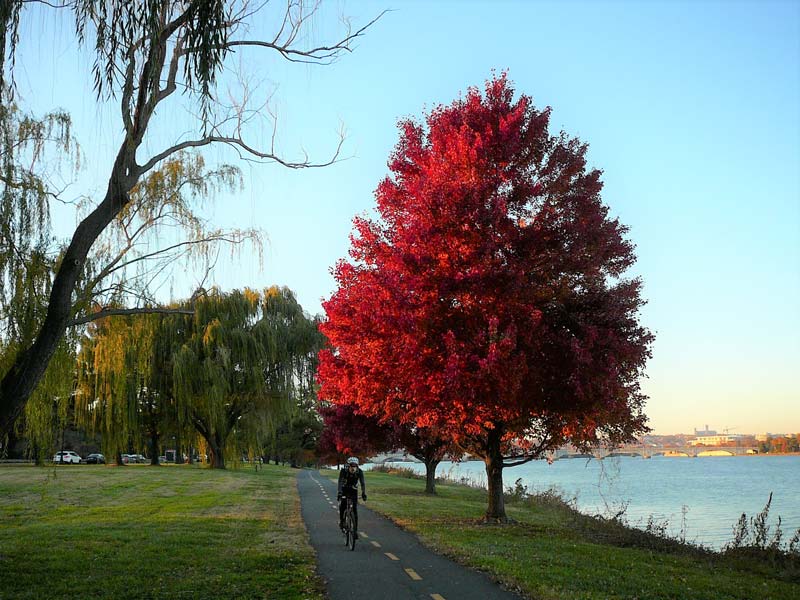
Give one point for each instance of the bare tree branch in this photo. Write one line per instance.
(320, 55)
(212, 238)
(237, 142)
(111, 312)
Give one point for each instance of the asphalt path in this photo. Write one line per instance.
(387, 563)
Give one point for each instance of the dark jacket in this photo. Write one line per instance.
(348, 481)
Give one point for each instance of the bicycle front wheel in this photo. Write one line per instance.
(351, 532)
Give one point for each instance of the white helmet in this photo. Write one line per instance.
(352, 461)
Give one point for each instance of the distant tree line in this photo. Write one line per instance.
(231, 377)
(780, 444)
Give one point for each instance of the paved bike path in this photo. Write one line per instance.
(388, 563)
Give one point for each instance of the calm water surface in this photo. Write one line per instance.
(715, 490)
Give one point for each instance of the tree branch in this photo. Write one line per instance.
(212, 238)
(111, 312)
(321, 55)
(173, 72)
(232, 141)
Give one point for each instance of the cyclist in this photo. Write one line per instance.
(349, 478)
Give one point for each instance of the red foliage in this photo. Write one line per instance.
(346, 433)
(488, 301)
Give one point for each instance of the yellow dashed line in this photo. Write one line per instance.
(437, 597)
(413, 574)
(391, 556)
(376, 544)
(362, 534)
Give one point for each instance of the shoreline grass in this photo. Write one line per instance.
(553, 552)
(153, 532)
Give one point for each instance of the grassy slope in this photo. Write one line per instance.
(163, 532)
(553, 553)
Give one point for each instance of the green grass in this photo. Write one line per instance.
(153, 532)
(552, 552)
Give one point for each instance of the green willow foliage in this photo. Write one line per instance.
(164, 206)
(118, 28)
(232, 371)
(25, 211)
(248, 362)
(118, 269)
(28, 259)
(143, 53)
(115, 372)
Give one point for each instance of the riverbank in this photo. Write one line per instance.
(700, 499)
(553, 552)
(153, 532)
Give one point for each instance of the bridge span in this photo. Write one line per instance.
(650, 451)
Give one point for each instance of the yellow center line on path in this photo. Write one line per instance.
(437, 597)
(362, 534)
(391, 556)
(413, 574)
(376, 544)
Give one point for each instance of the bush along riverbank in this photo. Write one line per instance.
(552, 551)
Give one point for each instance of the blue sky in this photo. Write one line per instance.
(691, 109)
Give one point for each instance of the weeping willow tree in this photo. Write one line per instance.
(247, 362)
(116, 279)
(28, 261)
(121, 391)
(144, 52)
(48, 410)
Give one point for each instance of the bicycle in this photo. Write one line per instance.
(349, 525)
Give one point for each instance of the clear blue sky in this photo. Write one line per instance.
(691, 109)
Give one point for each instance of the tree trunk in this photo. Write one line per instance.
(216, 452)
(154, 448)
(430, 475)
(178, 454)
(30, 364)
(496, 511)
(217, 458)
(38, 456)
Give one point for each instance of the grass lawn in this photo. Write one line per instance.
(552, 552)
(153, 532)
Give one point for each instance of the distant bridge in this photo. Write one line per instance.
(650, 451)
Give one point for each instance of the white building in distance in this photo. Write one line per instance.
(715, 440)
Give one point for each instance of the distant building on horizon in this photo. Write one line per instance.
(704, 432)
(715, 440)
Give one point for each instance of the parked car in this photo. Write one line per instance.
(67, 456)
(132, 459)
(95, 459)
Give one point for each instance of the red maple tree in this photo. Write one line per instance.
(489, 300)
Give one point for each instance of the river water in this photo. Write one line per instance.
(715, 491)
